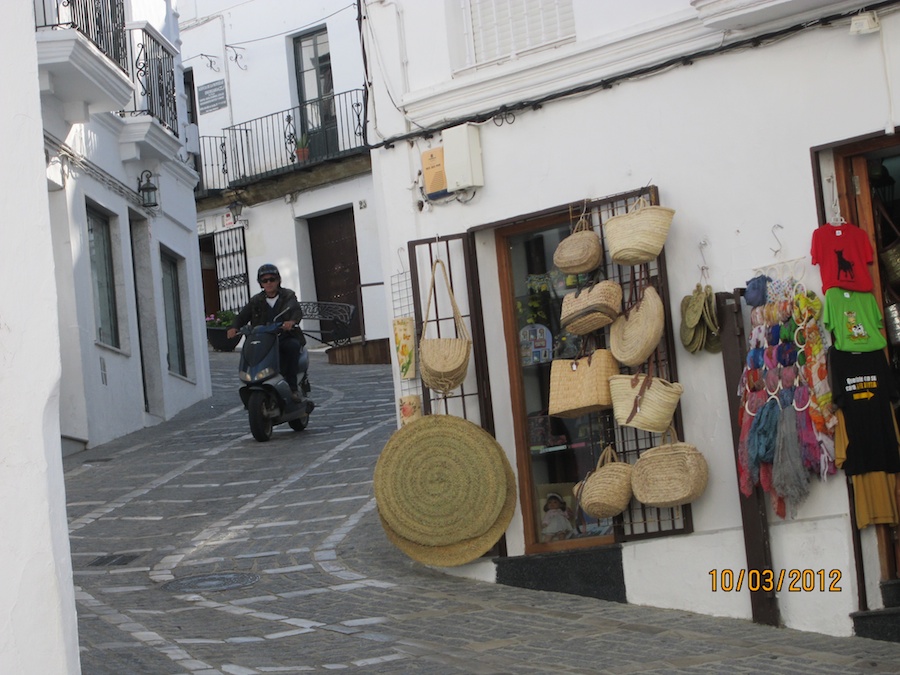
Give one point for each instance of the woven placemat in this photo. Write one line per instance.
(467, 550)
(440, 480)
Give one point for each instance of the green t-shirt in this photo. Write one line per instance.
(855, 320)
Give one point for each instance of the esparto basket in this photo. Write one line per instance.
(672, 474)
(643, 401)
(581, 386)
(581, 251)
(606, 492)
(636, 333)
(444, 362)
(638, 236)
(592, 308)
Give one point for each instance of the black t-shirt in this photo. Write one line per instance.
(863, 387)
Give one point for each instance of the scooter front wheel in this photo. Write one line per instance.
(260, 422)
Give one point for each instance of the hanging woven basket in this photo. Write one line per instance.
(643, 401)
(581, 386)
(638, 236)
(636, 333)
(672, 474)
(592, 308)
(580, 251)
(607, 491)
(444, 362)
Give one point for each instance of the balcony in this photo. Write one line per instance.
(82, 54)
(152, 65)
(297, 138)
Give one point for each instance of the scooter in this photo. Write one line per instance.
(265, 394)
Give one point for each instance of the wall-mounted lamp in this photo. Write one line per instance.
(235, 208)
(148, 190)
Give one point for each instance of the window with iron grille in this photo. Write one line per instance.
(499, 30)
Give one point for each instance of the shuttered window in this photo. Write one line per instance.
(504, 29)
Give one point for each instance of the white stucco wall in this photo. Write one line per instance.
(38, 628)
(101, 390)
(727, 140)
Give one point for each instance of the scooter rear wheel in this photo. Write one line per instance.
(260, 423)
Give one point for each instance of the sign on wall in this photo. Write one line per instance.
(211, 97)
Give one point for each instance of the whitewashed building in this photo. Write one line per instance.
(278, 98)
(120, 184)
(757, 122)
(101, 310)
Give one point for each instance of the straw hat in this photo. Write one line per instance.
(464, 551)
(441, 480)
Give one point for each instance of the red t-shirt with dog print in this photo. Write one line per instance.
(843, 254)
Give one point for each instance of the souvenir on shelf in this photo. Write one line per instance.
(535, 344)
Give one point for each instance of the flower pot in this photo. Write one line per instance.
(218, 338)
(302, 154)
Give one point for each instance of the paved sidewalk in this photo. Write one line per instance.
(198, 497)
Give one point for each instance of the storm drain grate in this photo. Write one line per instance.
(222, 581)
(115, 559)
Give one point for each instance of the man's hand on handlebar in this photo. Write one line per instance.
(231, 333)
(288, 325)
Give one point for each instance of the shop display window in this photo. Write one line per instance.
(555, 453)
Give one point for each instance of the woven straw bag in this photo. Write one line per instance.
(605, 492)
(638, 236)
(671, 474)
(581, 386)
(589, 309)
(643, 401)
(636, 333)
(444, 362)
(580, 251)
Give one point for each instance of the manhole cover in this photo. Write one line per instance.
(212, 582)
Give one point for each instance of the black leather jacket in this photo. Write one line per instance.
(257, 311)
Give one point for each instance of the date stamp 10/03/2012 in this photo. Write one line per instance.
(793, 581)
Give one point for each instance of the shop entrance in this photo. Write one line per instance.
(866, 173)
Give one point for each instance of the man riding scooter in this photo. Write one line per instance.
(265, 307)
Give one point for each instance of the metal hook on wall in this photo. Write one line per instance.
(776, 251)
(704, 268)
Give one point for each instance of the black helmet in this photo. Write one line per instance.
(266, 269)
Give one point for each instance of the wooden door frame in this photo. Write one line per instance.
(533, 542)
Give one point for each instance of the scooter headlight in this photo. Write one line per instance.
(244, 375)
(264, 373)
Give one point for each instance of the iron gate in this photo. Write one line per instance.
(231, 269)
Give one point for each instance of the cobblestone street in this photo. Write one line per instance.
(305, 580)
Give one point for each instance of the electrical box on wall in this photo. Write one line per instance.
(433, 173)
(462, 157)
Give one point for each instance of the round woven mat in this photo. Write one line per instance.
(440, 480)
(465, 551)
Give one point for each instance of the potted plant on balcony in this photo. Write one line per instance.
(217, 326)
(302, 148)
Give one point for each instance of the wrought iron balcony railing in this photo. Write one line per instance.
(100, 21)
(320, 129)
(213, 167)
(152, 68)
